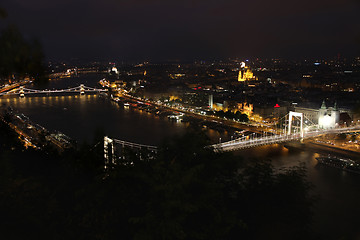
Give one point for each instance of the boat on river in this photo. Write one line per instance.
(339, 163)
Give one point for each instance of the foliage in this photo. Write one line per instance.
(242, 117)
(3, 13)
(186, 192)
(19, 57)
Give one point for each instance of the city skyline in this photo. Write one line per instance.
(188, 30)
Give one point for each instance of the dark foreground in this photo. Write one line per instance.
(186, 192)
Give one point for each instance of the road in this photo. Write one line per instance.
(230, 123)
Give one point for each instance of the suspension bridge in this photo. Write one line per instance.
(81, 89)
(295, 126)
(115, 150)
(252, 141)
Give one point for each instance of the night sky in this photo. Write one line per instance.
(188, 29)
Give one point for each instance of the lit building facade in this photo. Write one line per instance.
(328, 118)
(246, 108)
(234, 107)
(325, 117)
(245, 74)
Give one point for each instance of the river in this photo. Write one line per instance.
(81, 116)
(337, 211)
(336, 214)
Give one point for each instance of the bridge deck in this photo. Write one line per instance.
(238, 144)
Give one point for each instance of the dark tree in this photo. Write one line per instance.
(187, 192)
(3, 13)
(20, 58)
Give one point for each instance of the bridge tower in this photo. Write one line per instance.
(296, 114)
(21, 92)
(82, 89)
(109, 153)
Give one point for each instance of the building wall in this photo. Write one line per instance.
(324, 117)
(309, 113)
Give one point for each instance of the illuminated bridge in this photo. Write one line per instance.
(115, 151)
(295, 128)
(252, 141)
(22, 91)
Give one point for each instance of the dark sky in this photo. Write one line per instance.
(189, 29)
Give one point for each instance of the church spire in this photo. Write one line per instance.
(335, 106)
(323, 105)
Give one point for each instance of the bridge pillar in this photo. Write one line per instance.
(21, 92)
(296, 114)
(109, 153)
(82, 89)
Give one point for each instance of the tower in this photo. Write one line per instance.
(241, 77)
(322, 114)
(22, 94)
(296, 114)
(335, 114)
(211, 101)
(109, 153)
(82, 89)
(328, 117)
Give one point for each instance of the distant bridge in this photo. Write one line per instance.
(114, 150)
(81, 89)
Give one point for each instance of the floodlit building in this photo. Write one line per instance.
(324, 117)
(245, 74)
(328, 117)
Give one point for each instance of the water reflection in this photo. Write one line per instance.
(336, 213)
(79, 116)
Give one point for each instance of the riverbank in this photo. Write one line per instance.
(311, 144)
(32, 134)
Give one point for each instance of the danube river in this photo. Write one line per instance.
(81, 116)
(336, 214)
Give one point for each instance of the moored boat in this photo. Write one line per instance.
(340, 163)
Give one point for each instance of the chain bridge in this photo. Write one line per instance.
(22, 91)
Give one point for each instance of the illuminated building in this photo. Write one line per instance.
(328, 118)
(174, 97)
(176, 75)
(219, 107)
(324, 117)
(245, 74)
(245, 108)
(113, 70)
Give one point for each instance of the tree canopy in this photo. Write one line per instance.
(20, 57)
(3, 13)
(186, 192)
